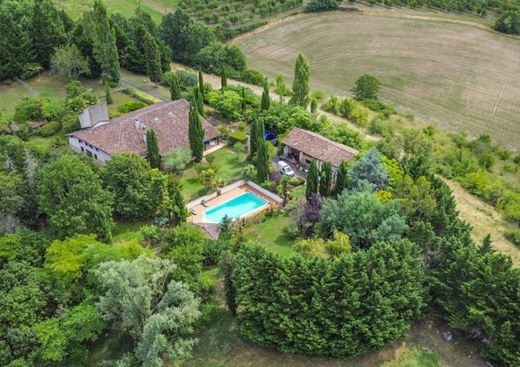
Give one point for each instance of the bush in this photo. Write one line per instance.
(514, 236)
(141, 96)
(30, 70)
(253, 77)
(187, 79)
(227, 102)
(130, 106)
(49, 129)
(237, 137)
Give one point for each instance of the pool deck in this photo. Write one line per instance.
(200, 209)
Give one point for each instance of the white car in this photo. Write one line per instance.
(285, 169)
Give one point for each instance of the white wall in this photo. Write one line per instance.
(79, 146)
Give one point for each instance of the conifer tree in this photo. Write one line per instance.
(486, 245)
(312, 180)
(152, 145)
(108, 95)
(325, 179)
(199, 101)
(201, 84)
(342, 178)
(175, 88)
(196, 135)
(243, 104)
(178, 212)
(301, 84)
(223, 78)
(266, 101)
(47, 31)
(103, 40)
(153, 58)
(314, 105)
(262, 160)
(257, 131)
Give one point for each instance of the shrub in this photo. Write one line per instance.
(237, 137)
(141, 96)
(253, 77)
(227, 102)
(29, 70)
(130, 106)
(514, 236)
(187, 79)
(49, 129)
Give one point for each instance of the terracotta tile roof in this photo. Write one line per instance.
(319, 147)
(126, 133)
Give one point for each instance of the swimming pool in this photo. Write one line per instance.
(235, 208)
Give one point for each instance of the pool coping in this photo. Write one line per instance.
(249, 213)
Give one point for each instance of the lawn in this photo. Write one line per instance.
(228, 165)
(271, 233)
(453, 74)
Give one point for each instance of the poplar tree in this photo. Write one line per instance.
(312, 180)
(342, 178)
(301, 82)
(103, 40)
(153, 58)
(325, 179)
(152, 145)
(266, 102)
(175, 88)
(196, 135)
(201, 84)
(262, 160)
(223, 79)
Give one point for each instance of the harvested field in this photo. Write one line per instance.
(454, 75)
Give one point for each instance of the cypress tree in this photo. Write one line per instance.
(153, 58)
(243, 101)
(103, 40)
(314, 105)
(301, 82)
(342, 178)
(199, 101)
(311, 186)
(257, 132)
(47, 31)
(223, 79)
(196, 135)
(325, 179)
(175, 88)
(178, 213)
(201, 84)
(262, 160)
(152, 144)
(266, 102)
(108, 95)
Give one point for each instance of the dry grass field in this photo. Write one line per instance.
(452, 74)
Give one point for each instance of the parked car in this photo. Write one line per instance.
(284, 168)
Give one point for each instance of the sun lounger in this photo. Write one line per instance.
(204, 202)
(193, 211)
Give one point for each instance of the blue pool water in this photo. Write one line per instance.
(235, 208)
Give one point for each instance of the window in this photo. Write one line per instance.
(82, 149)
(89, 153)
(95, 156)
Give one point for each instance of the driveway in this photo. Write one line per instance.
(297, 172)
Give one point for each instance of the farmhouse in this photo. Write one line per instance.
(301, 147)
(101, 137)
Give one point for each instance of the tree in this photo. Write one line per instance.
(47, 31)
(367, 87)
(196, 135)
(175, 88)
(201, 84)
(127, 177)
(301, 84)
(153, 58)
(370, 169)
(325, 184)
(284, 189)
(223, 78)
(103, 41)
(71, 196)
(152, 146)
(156, 310)
(16, 49)
(256, 133)
(343, 179)
(508, 20)
(177, 159)
(199, 101)
(314, 105)
(321, 5)
(108, 95)
(364, 218)
(264, 105)
(238, 148)
(311, 186)
(227, 265)
(262, 160)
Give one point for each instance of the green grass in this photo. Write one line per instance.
(414, 357)
(156, 8)
(270, 233)
(229, 168)
(452, 74)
